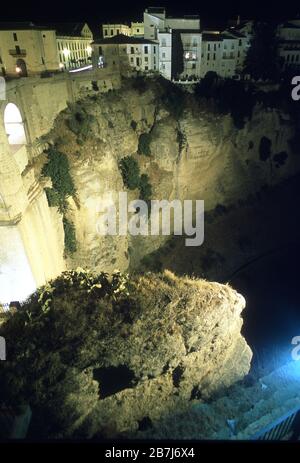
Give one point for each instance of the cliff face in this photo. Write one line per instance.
(184, 345)
(201, 155)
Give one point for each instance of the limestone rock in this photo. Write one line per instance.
(184, 344)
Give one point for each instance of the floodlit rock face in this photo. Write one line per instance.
(184, 345)
(200, 155)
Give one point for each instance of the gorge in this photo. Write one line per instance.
(152, 140)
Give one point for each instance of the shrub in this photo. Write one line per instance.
(70, 237)
(130, 172)
(144, 144)
(52, 197)
(58, 169)
(145, 188)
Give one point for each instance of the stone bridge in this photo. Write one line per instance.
(31, 235)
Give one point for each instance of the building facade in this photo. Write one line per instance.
(156, 20)
(73, 45)
(129, 53)
(26, 49)
(137, 29)
(111, 30)
(289, 44)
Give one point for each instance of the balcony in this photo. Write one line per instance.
(18, 54)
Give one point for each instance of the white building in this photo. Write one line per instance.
(127, 53)
(111, 30)
(192, 51)
(137, 29)
(179, 39)
(289, 44)
(155, 19)
(211, 53)
(223, 53)
(73, 44)
(164, 39)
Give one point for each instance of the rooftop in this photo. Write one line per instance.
(123, 39)
(22, 26)
(68, 29)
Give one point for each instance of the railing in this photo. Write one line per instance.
(280, 428)
(15, 53)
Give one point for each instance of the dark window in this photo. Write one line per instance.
(15, 37)
(118, 31)
(105, 31)
(146, 50)
(132, 50)
(100, 50)
(18, 51)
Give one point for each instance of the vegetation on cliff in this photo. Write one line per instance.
(57, 169)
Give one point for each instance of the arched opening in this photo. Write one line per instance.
(14, 128)
(22, 68)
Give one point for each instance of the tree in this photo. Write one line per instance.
(262, 60)
(177, 55)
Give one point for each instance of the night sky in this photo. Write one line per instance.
(97, 11)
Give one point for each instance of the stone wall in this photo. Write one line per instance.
(32, 233)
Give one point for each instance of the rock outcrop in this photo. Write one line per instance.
(200, 155)
(183, 346)
(243, 413)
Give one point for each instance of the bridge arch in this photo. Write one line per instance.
(16, 135)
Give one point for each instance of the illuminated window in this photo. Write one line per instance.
(190, 56)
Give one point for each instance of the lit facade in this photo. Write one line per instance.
(27, 50)
(137, 29)
(126, 52)
(289, 44)
(74, 45)
(111, 30)
(192, 47)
